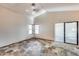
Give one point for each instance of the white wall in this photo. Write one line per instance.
(13, 27)
(47, 22)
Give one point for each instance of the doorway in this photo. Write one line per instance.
(67, 32)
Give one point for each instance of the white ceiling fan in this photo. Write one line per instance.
(36, 10)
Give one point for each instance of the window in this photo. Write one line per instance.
(30, 29)
(36, 29)
(33, 28)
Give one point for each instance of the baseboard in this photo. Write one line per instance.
(32, 38)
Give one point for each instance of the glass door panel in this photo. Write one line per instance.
(71, 32)
(59, 32)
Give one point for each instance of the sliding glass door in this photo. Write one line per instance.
(59, 32)
(71, 32)
(67, 32)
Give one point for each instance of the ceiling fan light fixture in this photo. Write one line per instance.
(33, 4)
(33, 7)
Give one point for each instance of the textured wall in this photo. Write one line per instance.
(48, 20)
